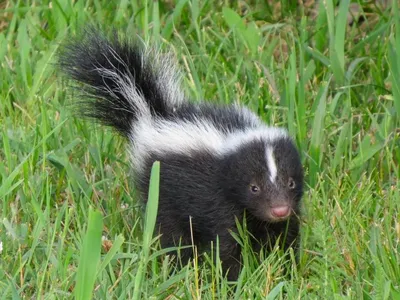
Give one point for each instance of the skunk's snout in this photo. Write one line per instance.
(281, 212)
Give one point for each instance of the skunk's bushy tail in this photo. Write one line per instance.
(122, 79)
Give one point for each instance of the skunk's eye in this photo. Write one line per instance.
(254, 189)
(291, 183)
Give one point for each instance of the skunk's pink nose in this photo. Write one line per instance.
(280, 211)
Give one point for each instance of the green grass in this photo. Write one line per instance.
(335, 86)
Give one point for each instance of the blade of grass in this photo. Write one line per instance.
(90, 257)
(291, 105)
(367, 149)
(394, 59)
(24, 48)
(149, 224)
(317, 134)
(340, 31)
(277, 290)
(169, 26)
(156, 21)
(111, 253)
(301, 96)
(337, 29)
(5, 187)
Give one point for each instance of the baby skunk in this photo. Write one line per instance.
(217, 162)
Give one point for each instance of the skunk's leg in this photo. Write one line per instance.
(230, 255)
(174, 236)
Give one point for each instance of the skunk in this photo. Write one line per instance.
(218, 163)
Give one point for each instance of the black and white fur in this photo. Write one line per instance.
(217, 162)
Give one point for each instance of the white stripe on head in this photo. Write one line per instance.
(273, 171)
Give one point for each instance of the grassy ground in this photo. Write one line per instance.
(331, 77)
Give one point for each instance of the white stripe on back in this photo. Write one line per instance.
(159, 136)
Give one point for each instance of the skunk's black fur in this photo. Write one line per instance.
(217, 162)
